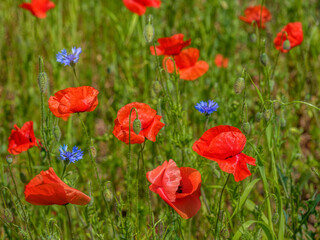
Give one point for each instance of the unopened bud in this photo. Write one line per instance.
(253, 37)
(259, 116)
(149, 31)
(264, 59)
(7, 214)
(246, 128)
(108, 192)
(267, 114)
(23, 177)
(286, 45)
(239, 85)
(57, 133)
(136, 126)
(43, 81)
(156, 87)
(93, 151)
(9, 159)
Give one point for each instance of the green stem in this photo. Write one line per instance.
(24, 213)
(64, 169)
(69, 222)
(218, 214)
(75, 74)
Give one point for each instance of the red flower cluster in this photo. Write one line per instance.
(140, 6)
(150, 123)
(255, 15)
(21, 139)
(170, 45)
(178, 187)
(73, 100)
(224, 145)
(187, 64)
(47, 189)
(221, 61)
(38, 7)
(293, 32)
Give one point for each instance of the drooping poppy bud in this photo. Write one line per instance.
(286, 45)
(9, 159)
(259, 116)
(267, 114)
(136, 126)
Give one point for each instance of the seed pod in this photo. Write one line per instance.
(239, 85)
(23, 178)
(267, 114)
(286, 45)
(43, 81)
(264, 59)
(9, 159)
(259, 116)
(136, 126)
(57, 133)
(246, 128)
(253, 37)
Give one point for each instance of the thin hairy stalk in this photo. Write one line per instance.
(69, 222)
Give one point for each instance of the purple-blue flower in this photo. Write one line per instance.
(207, 107)
(69, 59)
(73, 156)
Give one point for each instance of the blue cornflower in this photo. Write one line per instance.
(207, 107)
(73, 156)
(69, 59)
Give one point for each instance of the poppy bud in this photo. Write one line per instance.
(8, 216)
(93, 151)
(108, 192)
(286, 45)
(57, 133)
(149, 31)
(136, 126)
(253, 37)
(264, 59)
(23, 178)
(9, 159)
(156, 87)
(239, 85)
(259, 116)
(43, 81)
(267, 114)
(246, 128)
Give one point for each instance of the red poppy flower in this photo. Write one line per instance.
(73, 100)
(21, 139)
(178, 187)
(187, 64)
(253, 14)
(140, 6)
(150, 123)
(47, 189)
(170, 45)
(38, 7)
(293, 32)
(224, 144)
(220, 61)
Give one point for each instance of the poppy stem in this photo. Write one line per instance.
(22, 207)
(69, 221)
(75, 74)
(224, 186)
(64, 169)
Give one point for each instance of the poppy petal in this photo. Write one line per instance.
(194, 72)
(152, 130)
(122, 134)
(190, 181)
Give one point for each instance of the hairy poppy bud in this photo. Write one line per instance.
(43, 81)
(264, 59)
(9, 159)
(156, 87)
(93, 151)
(57, 133)
(136, 126)
(286, 45)
(8, 216)
(23, 178)
(253, 37)
(149, 31)
(246, 128)
(239, 85)
(259, 116)
(267, 114)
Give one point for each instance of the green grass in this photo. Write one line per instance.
(279, 201)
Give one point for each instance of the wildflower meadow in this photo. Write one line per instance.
(157, 119)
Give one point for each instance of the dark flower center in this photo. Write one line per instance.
(179, 189)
